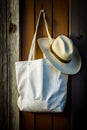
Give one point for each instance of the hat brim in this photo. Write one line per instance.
(68, 68)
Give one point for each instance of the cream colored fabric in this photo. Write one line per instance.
(41, 87)
(62, 53)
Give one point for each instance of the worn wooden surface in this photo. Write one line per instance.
(9, 53)
(57, 16)
(3, 68)
(13, 55)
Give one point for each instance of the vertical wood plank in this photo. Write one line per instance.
(13, 55)
(26, 121)
(27, 17)
(60, 26)
(3, 68)
(38, 6)
(70, 21)
(43, 4)
(79, 81)
(61, 122)
(60, 17)
(48, 12)
(75, 17)
(43, 120)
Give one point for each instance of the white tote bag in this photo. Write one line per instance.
(41, 87)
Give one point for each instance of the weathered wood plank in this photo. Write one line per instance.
(3, 68)
(13, 55)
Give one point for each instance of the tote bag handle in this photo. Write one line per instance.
(35, 34)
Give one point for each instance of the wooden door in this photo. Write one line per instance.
(57, 18)
(79, 81)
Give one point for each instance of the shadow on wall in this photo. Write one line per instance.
(79, 86)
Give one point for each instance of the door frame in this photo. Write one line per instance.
(9, 53)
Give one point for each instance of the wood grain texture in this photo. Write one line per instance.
(13, 56)
(3, 69)
(27, 17)
(43, 121)
(9, 53)
(27, 121)
(60, 17)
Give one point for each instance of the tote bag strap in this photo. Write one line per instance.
(35, 34)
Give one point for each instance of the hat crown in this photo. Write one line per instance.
(63, 48)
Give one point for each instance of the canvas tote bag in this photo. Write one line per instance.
(41, 87)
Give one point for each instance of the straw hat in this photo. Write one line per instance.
(61, 53)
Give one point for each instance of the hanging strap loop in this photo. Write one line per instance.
(35, 34)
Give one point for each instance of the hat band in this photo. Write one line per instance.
(59, 58)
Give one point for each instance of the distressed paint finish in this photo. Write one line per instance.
(9, 53)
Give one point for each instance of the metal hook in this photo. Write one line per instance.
(42, 10)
